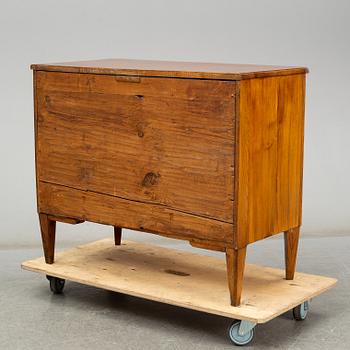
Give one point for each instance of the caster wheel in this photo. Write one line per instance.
(56, 284)
(237, 338)
(300, 312)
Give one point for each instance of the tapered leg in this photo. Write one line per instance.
(48, 233)
(291, 240)
(235, 261)
(117, 235)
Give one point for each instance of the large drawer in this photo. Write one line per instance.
(166, 142)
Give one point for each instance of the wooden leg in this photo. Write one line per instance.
(117, 235)
(235, 261)
(48, 233)
(291, 240)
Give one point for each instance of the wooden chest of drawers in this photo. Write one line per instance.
(209, 153)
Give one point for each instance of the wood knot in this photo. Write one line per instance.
(47, 100)
(150, 179)
(140, 127)
(177, 273)
(85, 174)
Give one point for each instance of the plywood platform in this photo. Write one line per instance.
(180, 278)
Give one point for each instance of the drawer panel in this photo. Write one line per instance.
(105, 209)
(163, 141)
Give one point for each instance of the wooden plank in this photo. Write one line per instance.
(269, 171)
(126, 140)
(184, 279)
(35, 103)
(65, 220)
(197, 70)
(118, 85)
(63, 201)
(257, 159)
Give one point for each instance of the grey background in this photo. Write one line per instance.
(307, 33)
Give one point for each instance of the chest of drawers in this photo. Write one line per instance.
(208, 153)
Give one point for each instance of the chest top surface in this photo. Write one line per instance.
(172, 69)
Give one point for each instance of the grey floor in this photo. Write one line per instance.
(89, 318)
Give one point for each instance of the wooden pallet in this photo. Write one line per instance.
(181, 278)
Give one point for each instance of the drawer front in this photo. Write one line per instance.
(167, 142)
(91, 206)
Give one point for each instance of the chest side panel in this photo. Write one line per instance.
(270, 156)
(167, 142)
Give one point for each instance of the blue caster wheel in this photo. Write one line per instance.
(56, 284)
(300, 312)
(236, 337)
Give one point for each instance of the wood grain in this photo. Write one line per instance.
(191, 89)
(65, 220)
(48, 234)
(110, 210)
(209, 245)
(269, 157)
(35, 99)
(171, 144)
(142, 270)
(193, 70)
(291, 240)
(235, 263)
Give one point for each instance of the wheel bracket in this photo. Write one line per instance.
(245, 327)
